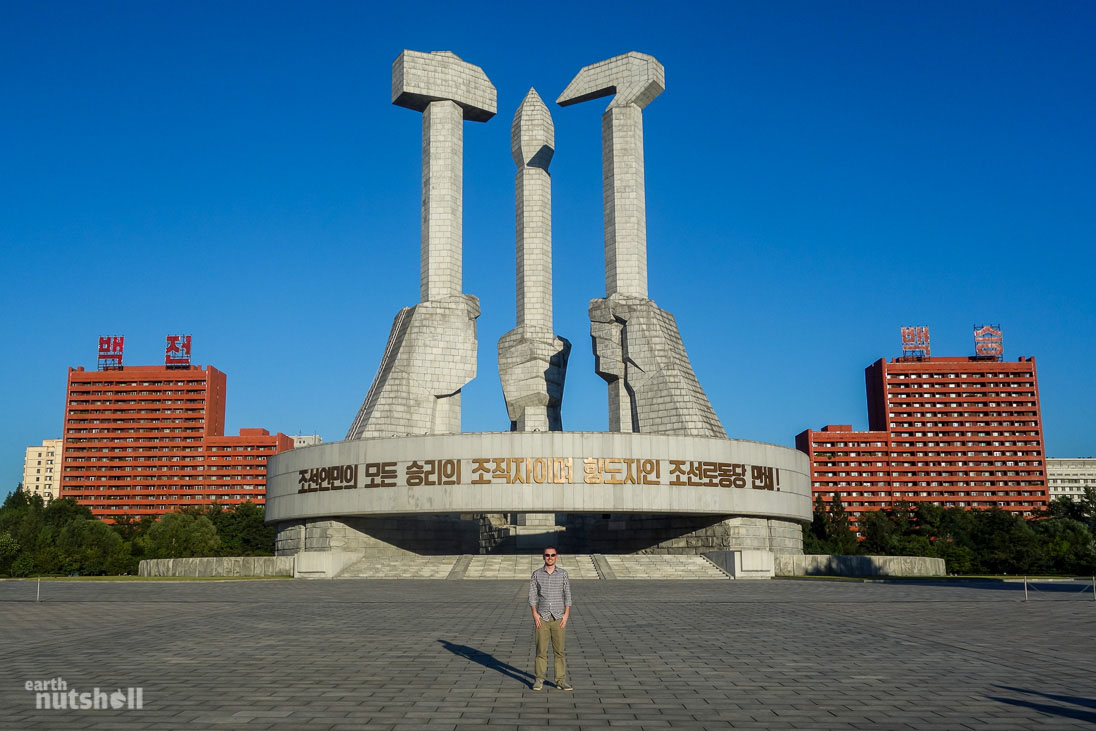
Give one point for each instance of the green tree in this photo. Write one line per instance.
(21, 517)
(181, 535)
(128, 527)
(839, 531)
(47, 558)
(903, 516)
(241, 528)
(959, 559)
(91, 548)
(959, 525)
(248, 533)
(1060, 539)
(879, 531)
(1066, 546)
(1003, 542)
(9, 551)
(928, 519)
(64, 537)
(814, 535)
(914, 546)
(63, 511)
(1063, 508)
(23, 566)
(1088, 507)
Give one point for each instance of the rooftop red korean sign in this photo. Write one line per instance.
(915, 340)
(988, 340)
(110, 351)
(177, 352)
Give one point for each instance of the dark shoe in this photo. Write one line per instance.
(562, 685)
(539, 685)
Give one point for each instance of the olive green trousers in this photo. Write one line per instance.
(549, 628)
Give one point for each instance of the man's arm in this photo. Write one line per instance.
(566, 601)
(533, 599)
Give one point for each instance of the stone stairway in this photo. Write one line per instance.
(506, 567)
(663, 567)
(400, 567)
(520, 567)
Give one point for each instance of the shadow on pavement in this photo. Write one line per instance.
(1075, 713)
(1086, 702)
(488, 661)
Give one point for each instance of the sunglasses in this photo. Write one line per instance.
(549, 555)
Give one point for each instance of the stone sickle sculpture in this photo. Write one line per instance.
(637, 347)
(431, 352)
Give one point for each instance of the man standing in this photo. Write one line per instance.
(550, 600)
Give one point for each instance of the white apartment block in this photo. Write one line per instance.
(306, 440)
(42, 470)
(1068, 477)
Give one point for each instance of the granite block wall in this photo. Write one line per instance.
(403, 534)
(823, 565)
(218, 566)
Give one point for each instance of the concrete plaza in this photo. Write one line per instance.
(436, 654)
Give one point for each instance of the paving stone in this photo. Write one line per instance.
(384, 654)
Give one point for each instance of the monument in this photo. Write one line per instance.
(652, 387)
(663, 479)
(431, 352)
(532, 359)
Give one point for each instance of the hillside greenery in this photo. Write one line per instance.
(1058, 540)
(64, 538)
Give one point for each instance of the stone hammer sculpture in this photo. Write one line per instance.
(637, 347)
(635, 79)
(431, 352)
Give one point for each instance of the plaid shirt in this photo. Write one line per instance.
(550, 593)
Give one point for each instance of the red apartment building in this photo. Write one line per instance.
(956, 431)
(147, 440)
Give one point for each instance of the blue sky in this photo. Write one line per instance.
(818, 175)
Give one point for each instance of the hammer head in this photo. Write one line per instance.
(420, 78)
(635, 78)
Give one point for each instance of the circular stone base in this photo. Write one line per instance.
(606, 493)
